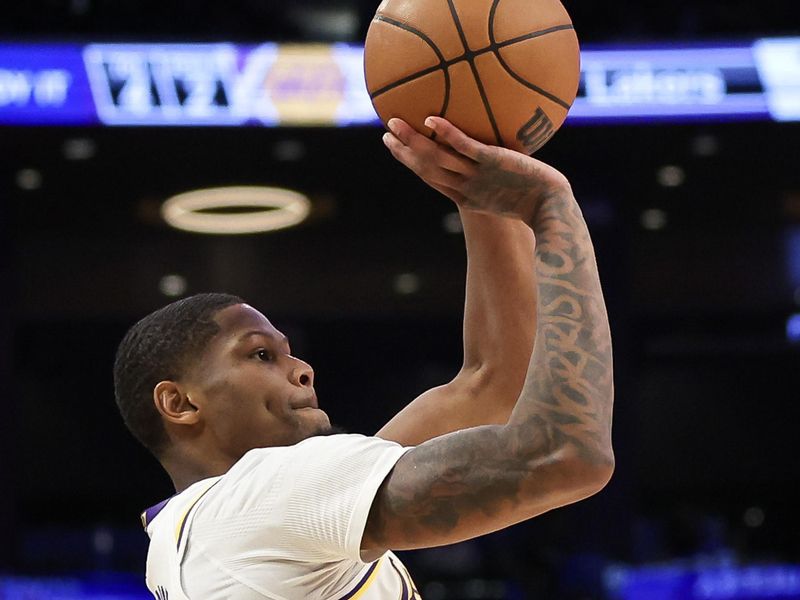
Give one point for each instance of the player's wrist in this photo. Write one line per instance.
(558, 193)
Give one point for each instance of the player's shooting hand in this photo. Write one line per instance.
(474, 175)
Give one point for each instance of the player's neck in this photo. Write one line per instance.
(186, 470)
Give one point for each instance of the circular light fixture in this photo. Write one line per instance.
(236, 210)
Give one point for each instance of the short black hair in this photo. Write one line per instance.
(161, 347)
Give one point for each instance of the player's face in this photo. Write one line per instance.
(250, 390)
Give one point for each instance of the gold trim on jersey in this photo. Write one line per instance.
(364, 585)
(182, 521)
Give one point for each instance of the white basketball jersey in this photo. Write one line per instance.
(284, 523)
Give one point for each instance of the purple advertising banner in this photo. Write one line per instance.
(44, 85)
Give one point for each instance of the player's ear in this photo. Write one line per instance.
(174, 404)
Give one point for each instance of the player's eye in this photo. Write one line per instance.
(263, 355)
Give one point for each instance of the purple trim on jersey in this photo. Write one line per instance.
(402, 579)
(361, 583)
(152, 512)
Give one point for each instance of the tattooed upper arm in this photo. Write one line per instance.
(473, 482)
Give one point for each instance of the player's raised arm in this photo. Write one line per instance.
(499, 328)
(556, 447)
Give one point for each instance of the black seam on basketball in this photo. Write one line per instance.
(486, 104)
(494, 44)
(532, 35)
(531, 86)
(404, 80)
(419, 74)
(497, 45)
(457, 21)
(417, 32)
(470, 58)
(446, 102)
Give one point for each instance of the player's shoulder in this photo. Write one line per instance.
(264, 477)
(343, 441)
(318, 452)
(322, 446)
(269, 465)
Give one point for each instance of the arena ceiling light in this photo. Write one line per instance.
(236, 210)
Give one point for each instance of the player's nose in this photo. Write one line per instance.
(302, 374)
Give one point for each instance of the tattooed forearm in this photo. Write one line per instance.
(570, 378)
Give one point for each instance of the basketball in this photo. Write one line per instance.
(505, 72)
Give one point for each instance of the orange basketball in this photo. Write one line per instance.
(505, 72)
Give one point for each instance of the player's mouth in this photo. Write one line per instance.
(309, 402)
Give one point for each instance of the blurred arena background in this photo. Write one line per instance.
(697, 225)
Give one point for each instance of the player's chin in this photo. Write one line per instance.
(314, 421)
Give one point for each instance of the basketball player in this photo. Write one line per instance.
(270, 504)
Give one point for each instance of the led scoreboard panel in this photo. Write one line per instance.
(323, 85)
(183, 84)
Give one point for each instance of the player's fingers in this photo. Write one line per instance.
(459, 141)
(432, 151)
(399, 150)
(448, 159)
(410, 136)
(419, 163)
